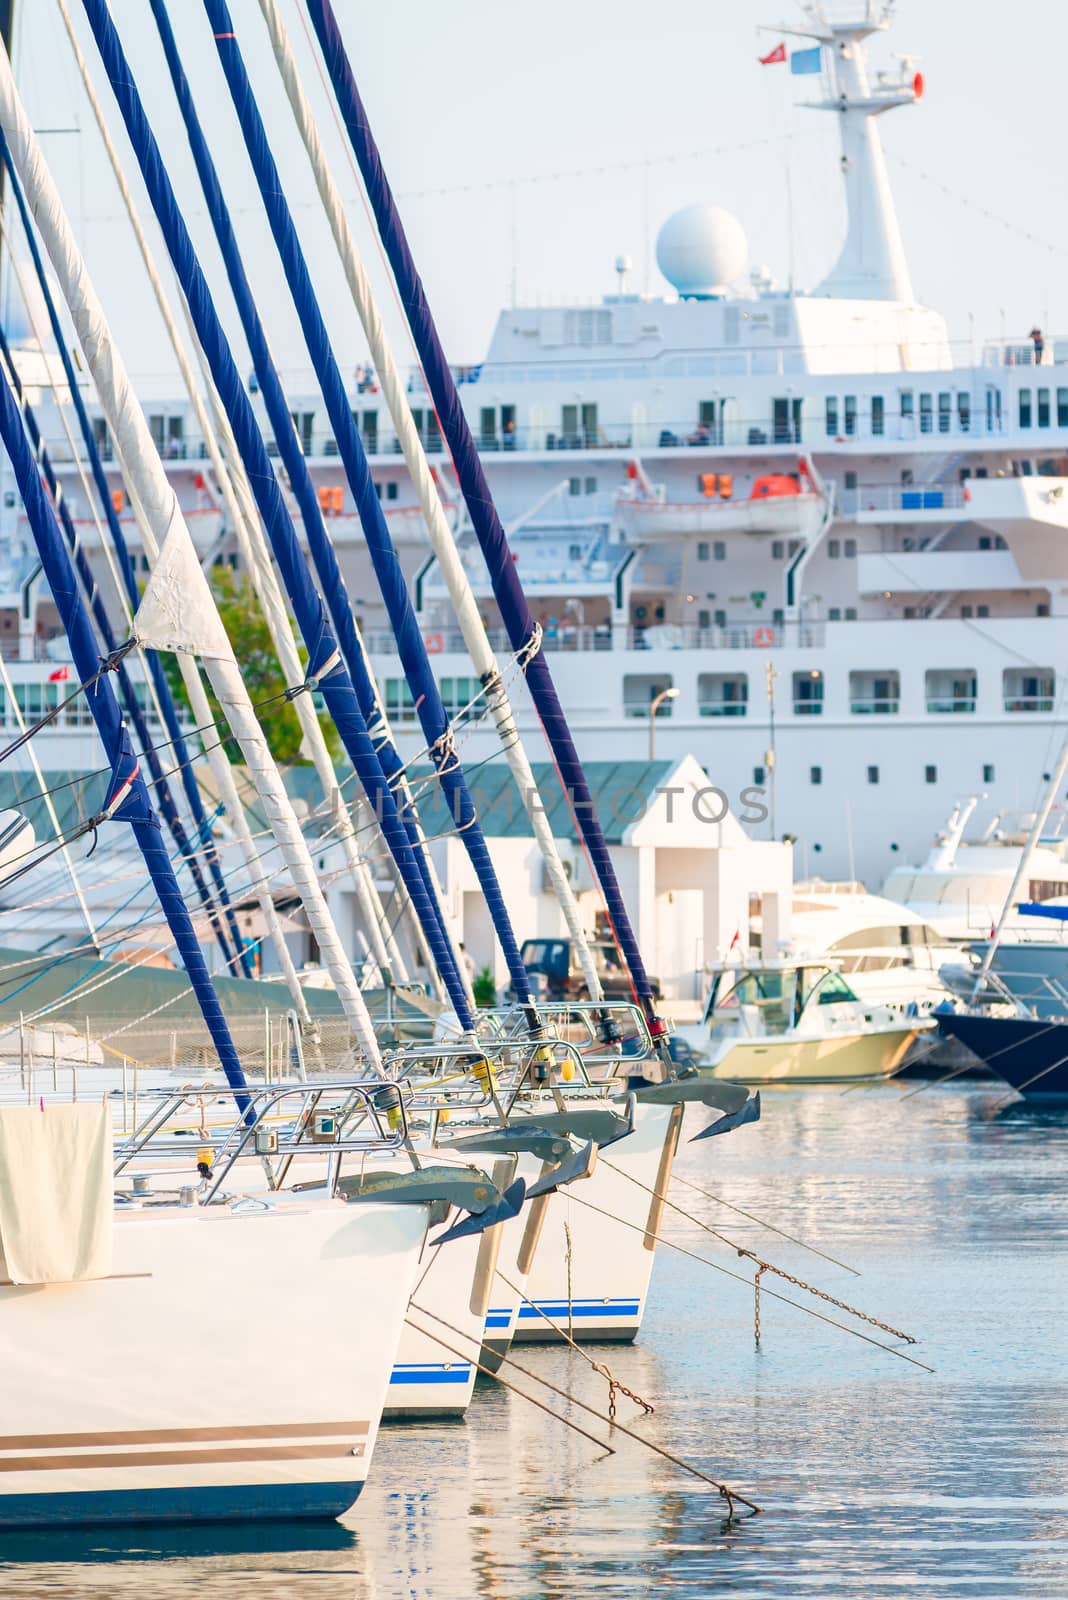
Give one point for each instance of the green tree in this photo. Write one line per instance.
(247, 630)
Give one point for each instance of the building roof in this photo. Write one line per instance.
(622, 791)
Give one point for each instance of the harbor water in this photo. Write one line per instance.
(877, 1478)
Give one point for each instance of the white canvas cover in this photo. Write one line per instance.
(57, 1201)
(177, 610)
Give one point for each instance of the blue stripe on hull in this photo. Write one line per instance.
(243, 1502)
(430, 1375)
(581, 1308)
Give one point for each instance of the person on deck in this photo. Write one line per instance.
(1039, 343)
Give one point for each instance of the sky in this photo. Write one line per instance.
(531, 146)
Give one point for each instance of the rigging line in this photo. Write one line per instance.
(974, 205)
(810, 1311)
(110, 664)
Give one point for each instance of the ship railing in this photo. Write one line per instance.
(895, 497)
(667, 636)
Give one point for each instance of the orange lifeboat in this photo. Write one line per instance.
(774, 484)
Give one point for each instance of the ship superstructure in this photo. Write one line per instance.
(841, 546)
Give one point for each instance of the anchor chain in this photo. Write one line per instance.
(614, 1387)
(821, 1294)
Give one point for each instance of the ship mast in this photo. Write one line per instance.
(872, 264)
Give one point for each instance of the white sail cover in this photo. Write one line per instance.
(177, 611)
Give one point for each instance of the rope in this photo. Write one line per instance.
(808, 1310)
(729, 1495)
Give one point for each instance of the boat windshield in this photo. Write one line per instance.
(765, 998)
(823, 987)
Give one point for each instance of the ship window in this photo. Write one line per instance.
(1041, 609)
(400, 705)
(874, 693)
(982, 611)
(877, 415)
(487, 427)
(926, 419)
(1042, 396)
(808, 693)
(793, 546)
(722, 694)
(873, 774)
(304, 424)
(758, 776)
(834, 614)
(850, 409)
(719, 551)
(908, 404)
(1062, 408)
(851, 613)
(930, 774)
(640, 690)
(945, 404)
(378, 490)
(815, 775)
(1024, 401)
(834, 548)
(778, 549)
(457, 694)
(1028, 688)
(391, 489)
(850, 480)
(590, 486)
(702, 551)
(704, 619)
(850, 548)
(985, 542)
(574, 486)
(988, 772)
(951, 690)
(720, 618)
(964, 412)
(368, 423)
(832, 415)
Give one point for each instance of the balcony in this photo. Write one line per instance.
(722, 694)
(874, 694)
(897, 503)
(1028, 690)
(951, 692)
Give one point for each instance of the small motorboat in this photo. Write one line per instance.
(1030, 1053)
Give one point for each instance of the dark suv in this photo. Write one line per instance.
(555, 961)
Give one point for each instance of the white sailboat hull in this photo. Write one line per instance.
(591, 1271)
(227, 1369)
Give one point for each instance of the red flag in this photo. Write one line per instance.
(61, 675)
(777, 55)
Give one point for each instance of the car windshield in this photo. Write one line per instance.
(545, 955)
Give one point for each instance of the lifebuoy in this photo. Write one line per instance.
(435, 644)
(764, 637)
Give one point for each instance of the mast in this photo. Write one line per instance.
(523, 632)
(442, 542)
(242, 513)
(872, 264)
(177, 611)
(327, 670)
(430, 709)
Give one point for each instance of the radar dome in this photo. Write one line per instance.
(700, 250)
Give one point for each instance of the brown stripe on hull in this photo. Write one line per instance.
(259, 1430)
(178, 1458)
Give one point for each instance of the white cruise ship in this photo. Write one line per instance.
(841, 549)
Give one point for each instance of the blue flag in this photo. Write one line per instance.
(804, 61)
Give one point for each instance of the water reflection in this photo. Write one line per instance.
(878, 1479)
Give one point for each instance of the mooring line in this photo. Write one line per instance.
(436, 1337)
(808, 1310)
(725, 1493)
(677, 1177)
(765, 1266)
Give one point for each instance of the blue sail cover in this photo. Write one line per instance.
(413, 654)
(326, 666)
(507, 588)
(155, 666)
(127, 796)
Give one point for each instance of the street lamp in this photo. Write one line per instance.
(657, 702)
